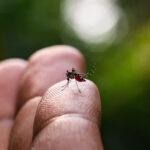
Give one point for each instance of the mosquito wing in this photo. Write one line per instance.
(83, 75)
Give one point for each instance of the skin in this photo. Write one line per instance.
(37, 113)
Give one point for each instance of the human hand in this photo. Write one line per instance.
(59, 120)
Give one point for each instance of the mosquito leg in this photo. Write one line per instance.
(66, 85)
(77, 86)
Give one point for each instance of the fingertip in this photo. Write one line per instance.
(11, 71)
(15, 62)
(68, 119)
(58, 102)
(58, 50)
(68, 55)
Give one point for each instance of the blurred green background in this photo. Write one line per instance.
(113, 34)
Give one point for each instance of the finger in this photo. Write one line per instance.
(10, 74)
(68, 119)
(45, 68)
(21, 135)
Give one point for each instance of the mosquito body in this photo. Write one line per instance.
(75, 75)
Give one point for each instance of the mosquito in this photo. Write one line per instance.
(80, 77)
